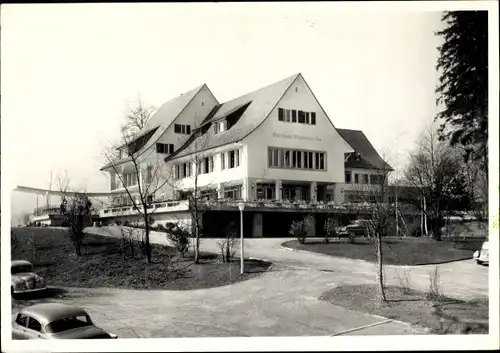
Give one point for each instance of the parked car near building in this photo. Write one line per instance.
(482, 256)
(24, 279)
(358, 227)
(55, 321)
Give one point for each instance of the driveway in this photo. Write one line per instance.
(460, 279)
(281, 302)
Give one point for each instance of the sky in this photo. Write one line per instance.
(69, 70)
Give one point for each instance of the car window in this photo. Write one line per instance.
(21, 269)
(21, 320)
(34, 325)
(68, 324)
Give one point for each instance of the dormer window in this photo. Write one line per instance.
(220, 126)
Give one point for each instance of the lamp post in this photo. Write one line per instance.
(241, 206)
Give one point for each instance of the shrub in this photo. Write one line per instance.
(434, 292)
(228, 244)
(14, 242)
(179, 237)
(126, 223)
(330, 229)
(300, 229)
(404, 280)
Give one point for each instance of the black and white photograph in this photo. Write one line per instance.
(282, 176)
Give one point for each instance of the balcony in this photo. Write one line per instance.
(257, 206)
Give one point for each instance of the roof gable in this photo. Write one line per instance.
(369, 157)
(260, 104)
(161, 120)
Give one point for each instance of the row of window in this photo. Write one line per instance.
(229, 160)
(182, 129)
(296, 116)
(296, 159)
(167, 148)
(363, 178)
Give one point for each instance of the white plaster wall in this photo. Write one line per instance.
(218, 175)
(319, 137)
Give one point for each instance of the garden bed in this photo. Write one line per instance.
(409, 251)
(441, 316)
(102, 264)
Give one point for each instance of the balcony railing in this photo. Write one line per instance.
(262, 205)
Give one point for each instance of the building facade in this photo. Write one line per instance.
(276, 144)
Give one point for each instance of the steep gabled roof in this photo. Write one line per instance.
(162, 118)
(261, 103)
(369, 157)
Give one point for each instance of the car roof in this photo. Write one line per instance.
(48, 312)
(20, 263)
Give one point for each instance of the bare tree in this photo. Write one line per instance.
(76, 211)
(435, 169)
(196, 161)
(374, 191)
(140, 171)
(136, 118)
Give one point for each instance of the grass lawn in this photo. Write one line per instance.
(102, 264)
(450, 316)
(409, 251)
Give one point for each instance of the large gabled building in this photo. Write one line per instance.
(274, 144)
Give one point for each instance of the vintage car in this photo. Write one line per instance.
(24, 279)
(482, 256)
(358, 227)
(55, 321)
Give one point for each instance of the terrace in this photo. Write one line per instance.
(256, 206)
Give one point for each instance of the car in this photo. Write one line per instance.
(55, 321)
(358, 227)
(482, 256)
(24, 279)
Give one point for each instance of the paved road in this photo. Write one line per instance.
(281, 302)
(459, 279)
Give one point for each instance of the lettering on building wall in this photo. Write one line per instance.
(295, 137)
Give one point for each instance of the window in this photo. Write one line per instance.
(69, 324)
(302, 117)
(281, 114)
(165, 148)
(220, 126)
(310, 158)
(223, 160)
(34, 325)
(287, 159)
(234, 158)
(294, 116)
(356, 178)
(348, 177)
(182, 129)
(296, 159)
(233, 192)
(365, 178)
(270, 157)
(322, 161)
(21, 320)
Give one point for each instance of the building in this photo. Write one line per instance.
(276, 145)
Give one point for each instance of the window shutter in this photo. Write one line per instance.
(237, 152)
(281, 114)
(294, 116)
(188, 129)
(313, 118)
